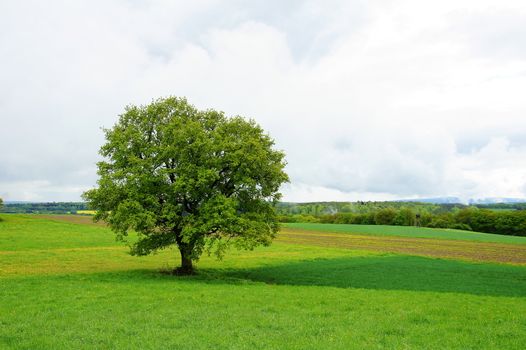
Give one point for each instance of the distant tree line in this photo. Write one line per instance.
(508, 220)
(501, 218)
(502, 206)
(44, 208)
(360, 207)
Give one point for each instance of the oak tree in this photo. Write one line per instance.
(192, 178)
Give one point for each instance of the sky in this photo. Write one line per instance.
(370, 100)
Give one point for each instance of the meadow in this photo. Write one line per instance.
(66, 284)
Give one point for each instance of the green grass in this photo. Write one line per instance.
(408, 231)
(27, 232)
(81, 290)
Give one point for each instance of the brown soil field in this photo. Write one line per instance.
(466, 250)
(75, 219)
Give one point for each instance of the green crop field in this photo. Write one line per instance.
(66, 284)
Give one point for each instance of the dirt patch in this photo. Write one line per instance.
(75, 219)
(466, 250)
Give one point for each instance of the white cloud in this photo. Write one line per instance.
(378, 100)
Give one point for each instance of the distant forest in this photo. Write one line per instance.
(360, 207)
(501, 218)
(44, 208)
(284, 208)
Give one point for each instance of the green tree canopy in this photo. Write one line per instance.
(195, 179)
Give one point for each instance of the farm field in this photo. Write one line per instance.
(407, 231)
(65, 283)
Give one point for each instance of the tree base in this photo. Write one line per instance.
(179, 271)
(183, 271)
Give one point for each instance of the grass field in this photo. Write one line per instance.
(66, 284)
(408, 231)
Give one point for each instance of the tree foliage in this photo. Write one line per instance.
(181, 176)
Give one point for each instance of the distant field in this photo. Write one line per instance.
(66, 284)
(86, 212)
(408, 231)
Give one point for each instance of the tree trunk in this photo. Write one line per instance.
(186, 267)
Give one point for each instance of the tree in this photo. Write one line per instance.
(195, 179)
(404, 217)
(385, 216)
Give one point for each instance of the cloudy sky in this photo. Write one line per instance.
(369, 99)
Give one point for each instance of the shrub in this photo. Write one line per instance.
(404, 217)
(385, 216)
(438, 223)
(459, 226)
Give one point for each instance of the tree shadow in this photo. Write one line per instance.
(379, 272)
(393, 272)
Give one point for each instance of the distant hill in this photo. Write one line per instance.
(436, 200)
(453, 200)
(495, 200)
